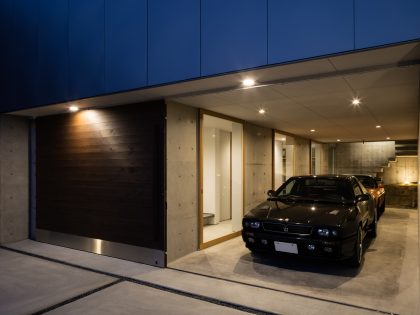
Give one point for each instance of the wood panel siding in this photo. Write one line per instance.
(100, 174)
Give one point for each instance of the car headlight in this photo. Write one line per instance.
(254, 224)
(323, 232)
(327, 232)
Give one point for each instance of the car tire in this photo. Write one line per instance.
(356, 260)
(373, 228)
(383, 207)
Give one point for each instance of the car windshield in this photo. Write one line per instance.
(368, 182)
(316, 189)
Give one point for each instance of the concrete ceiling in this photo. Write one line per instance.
(314, 94)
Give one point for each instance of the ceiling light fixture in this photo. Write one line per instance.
(378, 126)
(261, 111)
(248, 82)
(312, 130)
(388, 138)
(338, 140)
(73, 108)
(355, 101)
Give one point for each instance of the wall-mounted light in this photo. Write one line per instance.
(261, 111)
(73, 108)
(312, 130)
(355, 101)
(248, 82)
(388, 138)
(378, 126)
(338, 140)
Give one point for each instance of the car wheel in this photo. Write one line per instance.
(374, 225)
(356, 259)
(383, 207)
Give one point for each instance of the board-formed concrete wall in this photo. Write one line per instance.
(14, 179)
(302, 156)
(182, 180)
(258, 164)
(362, 158)
(403, 170)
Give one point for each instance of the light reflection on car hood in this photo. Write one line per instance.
(314, 213)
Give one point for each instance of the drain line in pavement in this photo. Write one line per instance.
(136, 281)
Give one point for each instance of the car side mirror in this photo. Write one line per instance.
(364, 197)
(271, 193)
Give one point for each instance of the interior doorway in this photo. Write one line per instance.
(222, 179)
(284, 158)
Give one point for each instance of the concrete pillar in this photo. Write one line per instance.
(14, 179)
(181, 180)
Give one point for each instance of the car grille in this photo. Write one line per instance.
(287, 228)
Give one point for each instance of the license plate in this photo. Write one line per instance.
(286, 247)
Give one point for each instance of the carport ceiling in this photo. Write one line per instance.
(389, 98)
(311, 94)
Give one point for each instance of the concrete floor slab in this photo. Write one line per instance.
(388, 279)
(29, 284)
(129, 298)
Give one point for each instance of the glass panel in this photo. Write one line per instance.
(222, 177)
(283, 158)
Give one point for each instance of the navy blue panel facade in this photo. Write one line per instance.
(380, 22)
(125, 44)
(7, 82)
(299, 29)
(174, 40)
(26, 52)
(233, 35)
(53, 50)
(86, 48)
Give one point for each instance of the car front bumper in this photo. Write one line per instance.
(337, 249)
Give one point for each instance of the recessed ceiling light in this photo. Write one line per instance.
(378, 126)
(355, 101)
(312, 130)
(261, 111)
(248, 82)
(338, 140)
(73, 108)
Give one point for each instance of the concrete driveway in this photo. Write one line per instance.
(387, 280)
(38, 278)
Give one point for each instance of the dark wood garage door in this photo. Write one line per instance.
(100, 174)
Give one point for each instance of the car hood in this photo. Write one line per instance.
(313, 213)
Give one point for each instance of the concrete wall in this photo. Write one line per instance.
(258, 164)
(182, 180)
(302, 156)
(403, 171)
(14, 179)
(362, 158)
(325, 160)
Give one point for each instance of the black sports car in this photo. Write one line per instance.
(323, 216)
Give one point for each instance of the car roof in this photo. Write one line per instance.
(326, 176)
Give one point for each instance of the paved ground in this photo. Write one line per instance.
(40, 278)
(387, 280)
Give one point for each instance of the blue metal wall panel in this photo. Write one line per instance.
(86, 48)
(7, 82)
(53, 50)
(380, 22)
(233, 35)
(125, 44)
(299, 29)
(26, 53)
(174, 40)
